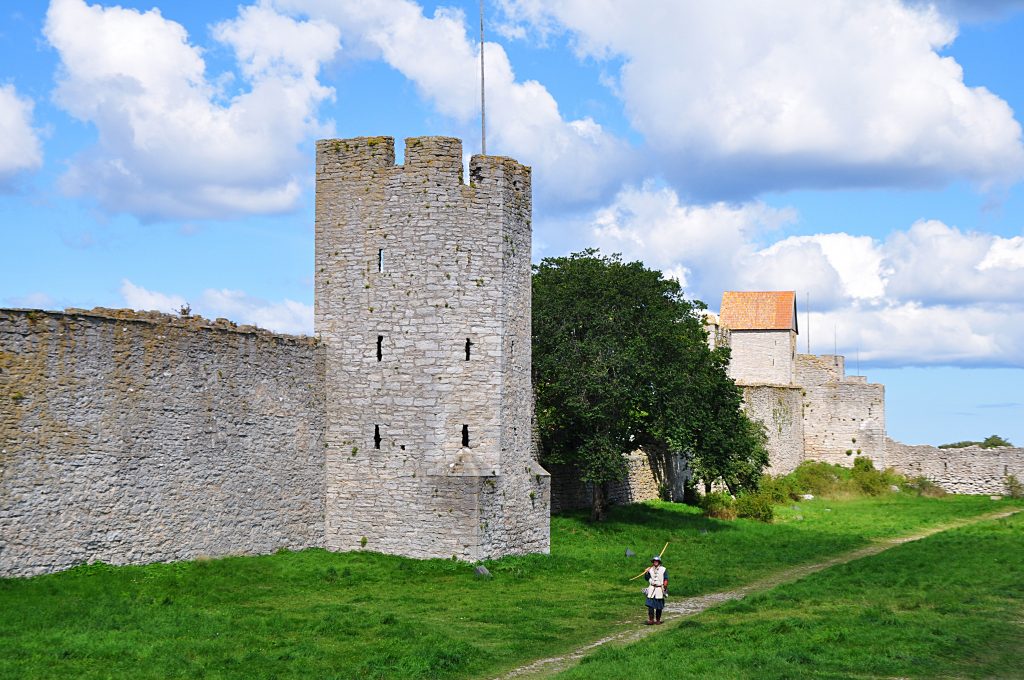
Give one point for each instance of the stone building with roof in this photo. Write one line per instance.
(810, 408)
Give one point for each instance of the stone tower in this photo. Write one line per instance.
(423, 307)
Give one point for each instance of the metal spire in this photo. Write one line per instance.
(483, 110)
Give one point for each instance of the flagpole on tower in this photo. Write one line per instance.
(483, 110)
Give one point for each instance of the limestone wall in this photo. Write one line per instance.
(843, 420)
(423, 306)
(780, 410)
(131, 438)
(647, 475)
(967, 470)
(844, 417)
(818, 369)
(762, 357)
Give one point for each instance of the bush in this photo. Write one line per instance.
(868, 479)
(779, 489)
(923, 486)
(757, 505)
(1014, 487)
(719, 505)
(820, 479)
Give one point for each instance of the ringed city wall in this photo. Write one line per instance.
(404, 426)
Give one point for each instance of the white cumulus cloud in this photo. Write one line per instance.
(170, 142)
(743, 96)
(137, 297)
(20, 149)
(929, 294)
(286, 316)
(575, 160)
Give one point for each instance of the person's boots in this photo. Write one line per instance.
(658, 622)
(650, 619)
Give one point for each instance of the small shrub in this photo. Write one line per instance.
(779, 489)
(923, 486)
(869, 480)
(719, 505)
(756, 505)
(664, 493)
(820, 479)
(1014, 487)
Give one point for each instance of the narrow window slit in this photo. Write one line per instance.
(380, 259)
(465, 436)
(469, 344)
(376, 436)
(380, 347)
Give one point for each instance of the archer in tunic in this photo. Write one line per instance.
(657, 589)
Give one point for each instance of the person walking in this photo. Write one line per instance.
(657, 588)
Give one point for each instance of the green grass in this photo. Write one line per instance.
(319, 614)
(951, 605)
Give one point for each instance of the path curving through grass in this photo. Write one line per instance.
(691, 606)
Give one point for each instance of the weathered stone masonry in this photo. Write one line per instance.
(405, 427)
(131, 438)
(968, 470)
(423, 306)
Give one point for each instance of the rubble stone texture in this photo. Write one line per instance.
(129, 438)
(132, 437)
(423, 306)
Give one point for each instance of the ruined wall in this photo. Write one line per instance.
(967, 470)
(844, 417)
(762, 357)
(131, 438)
(780, 410)
(423, 305)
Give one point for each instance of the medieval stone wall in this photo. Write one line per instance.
(132, 438)
(647, 476)
(779, 409)
(844, 416)
(762, 357)
(818, 369)
(967, 470)
(423, 306)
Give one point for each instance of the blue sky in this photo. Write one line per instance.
(865, 152)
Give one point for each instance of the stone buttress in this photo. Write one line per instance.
(423, 307)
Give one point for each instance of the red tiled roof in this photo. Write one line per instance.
(759, 310)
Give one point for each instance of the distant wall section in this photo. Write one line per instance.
(648, 474)
(132, 438)
(844, 417)
(967, 470)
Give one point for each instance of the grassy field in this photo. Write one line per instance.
(948, 606)
(318, 614)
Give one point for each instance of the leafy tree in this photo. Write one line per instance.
(620, 359)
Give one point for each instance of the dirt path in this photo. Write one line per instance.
(677, 609)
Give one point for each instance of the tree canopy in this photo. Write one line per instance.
(990, 442)
(620, 359)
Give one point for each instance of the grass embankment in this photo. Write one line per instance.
(951, 605)
(318, 614)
